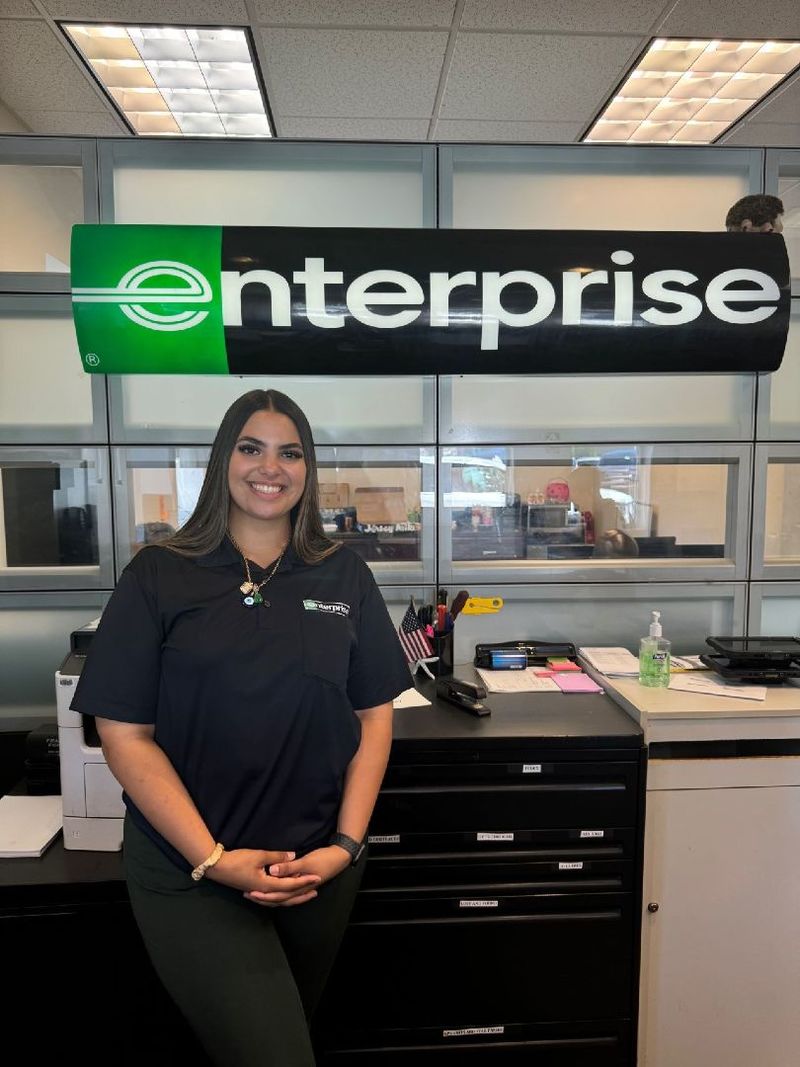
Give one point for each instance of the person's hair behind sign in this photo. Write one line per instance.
(758, 213)
(208, 523)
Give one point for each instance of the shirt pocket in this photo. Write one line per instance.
(327, 643)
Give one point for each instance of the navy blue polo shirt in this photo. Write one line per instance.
(255, 707)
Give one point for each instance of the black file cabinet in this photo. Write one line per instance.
(498, 917)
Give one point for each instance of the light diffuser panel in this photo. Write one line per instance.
(173, 80)
(692, 91)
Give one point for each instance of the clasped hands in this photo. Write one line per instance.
(277, 879)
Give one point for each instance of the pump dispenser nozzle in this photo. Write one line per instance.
(655, 625)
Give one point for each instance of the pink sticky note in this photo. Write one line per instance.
(576, 683)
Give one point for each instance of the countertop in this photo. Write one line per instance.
(671, 715)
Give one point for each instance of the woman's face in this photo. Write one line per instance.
(267, 470)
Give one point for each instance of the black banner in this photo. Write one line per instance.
(361, 301)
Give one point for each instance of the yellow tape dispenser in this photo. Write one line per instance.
(482, 605)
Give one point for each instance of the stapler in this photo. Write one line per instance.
(465, 695)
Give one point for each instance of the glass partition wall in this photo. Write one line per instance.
(584, 502)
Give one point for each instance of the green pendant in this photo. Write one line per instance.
(258, 598)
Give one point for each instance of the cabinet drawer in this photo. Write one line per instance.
(541, 871)
(487, 956)
(584, 1045)
(567, 843)
(558, 795)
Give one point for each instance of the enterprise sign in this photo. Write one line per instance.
(288, 300)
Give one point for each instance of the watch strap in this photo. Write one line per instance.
(349, 844)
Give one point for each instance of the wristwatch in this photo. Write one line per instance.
(350, 845)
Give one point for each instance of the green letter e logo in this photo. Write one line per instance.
(164, 280)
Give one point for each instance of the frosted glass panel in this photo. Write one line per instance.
(351, 410)
(782, 540)
(778, 614)
(601, 615)
(789, 192)
(549, 408)
(364, 194)
(580, 195)
(784, 414)
(43, 386)
(38, 207)
(34, 639)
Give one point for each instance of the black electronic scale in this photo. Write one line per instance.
(765, 660)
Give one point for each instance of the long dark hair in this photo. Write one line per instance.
(207, 526)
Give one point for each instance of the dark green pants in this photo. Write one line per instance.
(247, 978)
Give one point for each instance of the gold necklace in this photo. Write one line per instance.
(251, 589)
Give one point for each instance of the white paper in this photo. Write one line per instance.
(28, 824)
(516, 681)
(411, 698)
(611, 661)
(686, 663)
(708, 685)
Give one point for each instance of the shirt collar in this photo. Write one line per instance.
(225, 554)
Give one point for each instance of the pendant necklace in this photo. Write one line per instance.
(251, 589)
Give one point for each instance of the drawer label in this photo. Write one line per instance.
(531, 768)
(578, 866)
(593, 833)
(469, 1031)
(478, 903)
(494, 837)
(383, 839)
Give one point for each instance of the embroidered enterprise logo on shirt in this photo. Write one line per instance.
(330, 607)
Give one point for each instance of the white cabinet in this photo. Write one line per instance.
(720, 983)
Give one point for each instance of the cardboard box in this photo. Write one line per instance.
(380, 504)
(334, 495)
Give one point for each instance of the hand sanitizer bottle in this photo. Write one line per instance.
(654, 656)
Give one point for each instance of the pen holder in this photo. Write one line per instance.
(443, 648)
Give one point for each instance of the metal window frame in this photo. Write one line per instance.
(121, 434)
(776, 158)
(59, 578)
(643, 160)
(187, 153)
(590, 435)
(761, 570)
(53, 152)
(764, 428)
(35, 306)
(523, 572)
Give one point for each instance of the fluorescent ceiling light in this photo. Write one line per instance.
(176, 80)
(691, 91)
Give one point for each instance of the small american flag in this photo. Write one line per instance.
(412, 636)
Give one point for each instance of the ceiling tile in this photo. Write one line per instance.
(491, 130)
(733, 18)
(18, 9)
(73, 123)
(359, 73)
(765, 135)
(166, 12)
(608, 16)
(354, 129)
(27, 49)
(354, 12)
(534, 78)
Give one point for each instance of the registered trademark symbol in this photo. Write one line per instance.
(92, 359)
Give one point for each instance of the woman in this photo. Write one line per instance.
(242, 677)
